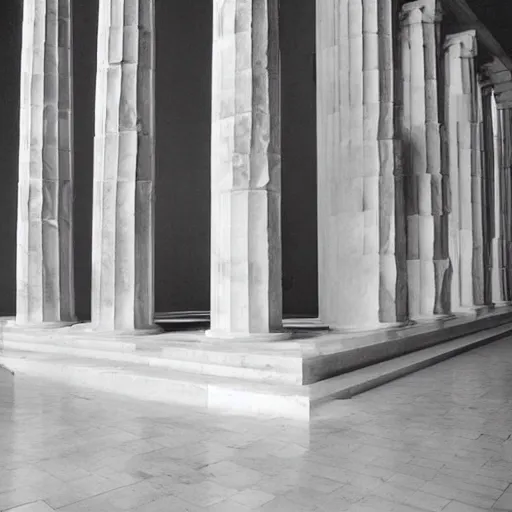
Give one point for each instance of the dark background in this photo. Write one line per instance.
(183, 148)
(183, 152)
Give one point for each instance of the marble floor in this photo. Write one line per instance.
(437, 440)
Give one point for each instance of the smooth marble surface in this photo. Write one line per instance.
(438, 440)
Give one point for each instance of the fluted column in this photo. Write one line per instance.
(246, 295)
(477, 184)
(44, 265)
(427, 263)
(498, 246)
(464, 163)
(356, 163)
(505, 132)
(124, 167)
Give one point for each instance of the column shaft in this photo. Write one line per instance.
(498, 247)
(123, 203)
(44, 265)
(426, 263)
(505, 131)
(488, 183)
(464, 162)
(246, 295)
(356, 152)
(477, 185)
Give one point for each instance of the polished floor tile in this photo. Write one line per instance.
(439, 440)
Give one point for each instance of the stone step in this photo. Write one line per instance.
(165, 385)
(301, 360)
(273, 369)
(358, 381)
(331, 355)
(232, 394)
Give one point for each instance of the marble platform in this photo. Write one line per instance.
(288, 378)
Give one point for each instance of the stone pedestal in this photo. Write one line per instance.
(356, 163)
(427, 262)
(246, 295)
(44, 265)
(464, 163)
(124, 168)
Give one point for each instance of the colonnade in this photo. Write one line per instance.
(414, 186)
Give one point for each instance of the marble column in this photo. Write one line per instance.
(464, 163)
(427, 264)
(358, 277)
(505, 133)
(499, 279)
(124, 169)
(44, 265)
(246, 294)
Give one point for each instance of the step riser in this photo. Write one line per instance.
(255, 361)
(325, 367)
(173, 364)
(349, 392)
(64, 340)
(208, 396)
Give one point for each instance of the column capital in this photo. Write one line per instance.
(421, 11)
(466, 40)
(501, 80)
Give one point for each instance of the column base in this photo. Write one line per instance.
(502, 304)
(88, 328)
(441, 317)
(40, 326)
(247, 336)
(370, 327)
(475, 311)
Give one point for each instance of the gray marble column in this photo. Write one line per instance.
(124, 169)
(356, 163)
(505, 132)
(426, 262)
(44, 265)
(463, 127)
(246, 295)
(498, 245)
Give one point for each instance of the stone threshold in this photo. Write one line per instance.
(287, 379)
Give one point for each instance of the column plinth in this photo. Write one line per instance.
(124, 169)
(246, 295)
(44, 261)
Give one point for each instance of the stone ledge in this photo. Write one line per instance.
(260, 379)
(241, 396)
(309, 357)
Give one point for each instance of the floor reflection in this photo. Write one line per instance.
(437, 440)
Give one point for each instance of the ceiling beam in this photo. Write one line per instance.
(465, 15)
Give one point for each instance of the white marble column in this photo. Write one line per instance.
(427, 268)
(498, 246)
(356, 163)
(44, 265)
(124, 169)
(463, 127)
(246, 295)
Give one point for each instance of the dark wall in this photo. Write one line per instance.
(10, 37)
(183, 152)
